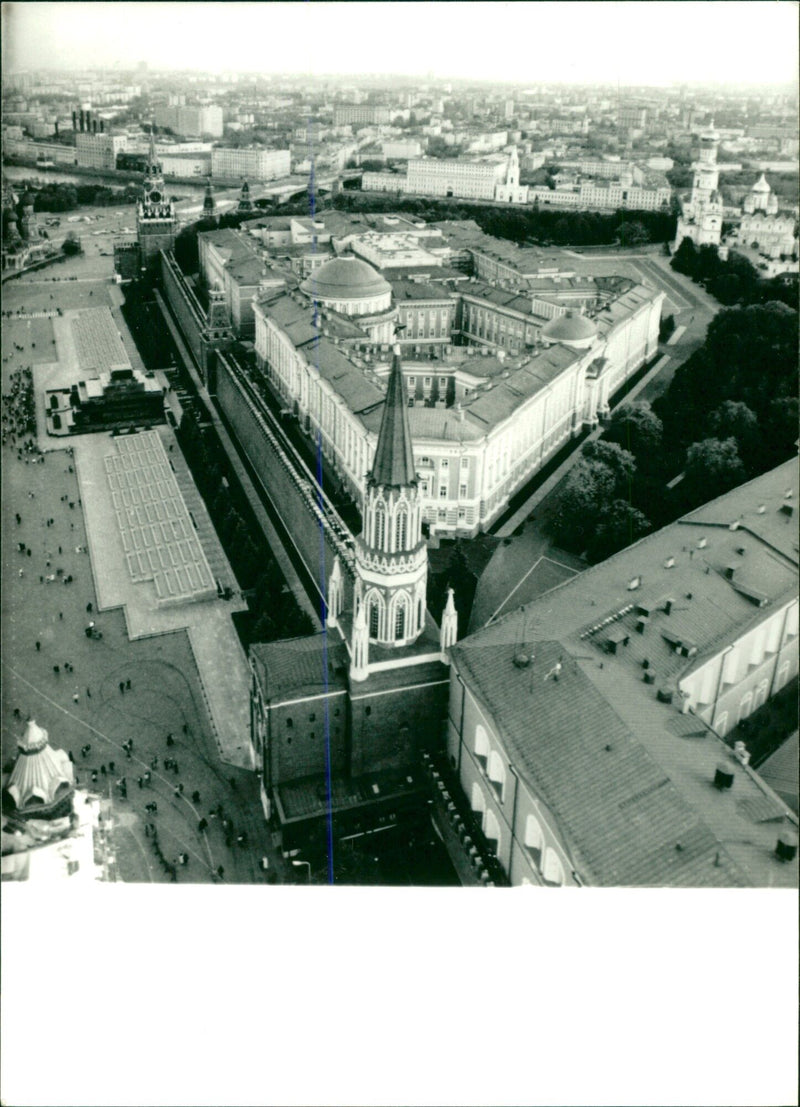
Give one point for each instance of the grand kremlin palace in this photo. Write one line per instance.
(535, 369)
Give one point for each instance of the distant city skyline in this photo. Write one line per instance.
(629, 43)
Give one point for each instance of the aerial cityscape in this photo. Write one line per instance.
(350, 424)
(400, 475)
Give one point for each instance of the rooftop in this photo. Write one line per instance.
(98, 344)
(345, 278)
(646, 811)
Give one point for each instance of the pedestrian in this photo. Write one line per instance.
(61, 614)
(56, 669)
(195, 797)
(111, 766)
(170, 741)
(38, 645)
(154, 763)
(71, 758)
(89, 607)
(128, 685)
(22, 572)
(185, 728)
(128, 754)
(88, 694)
(220, 871)
(147, 777)
(75, 697)
(103, 770)
(122, 687)
(202, 825)
(140, 781)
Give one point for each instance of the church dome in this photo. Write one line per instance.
(42, 780)
(761, 185)
(570, 329)
(346, 278)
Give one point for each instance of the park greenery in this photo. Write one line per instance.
(274, 612)
(58, 197)
(729, 414)
(734, 281)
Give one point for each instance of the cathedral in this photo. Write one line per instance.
(342, 717)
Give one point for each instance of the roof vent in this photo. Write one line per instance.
(787, 509)
(669, 563)
(633, 583)
(521, 660)
(723, 777)
(649, 676)
(701, 545)
(641, 624)
(734, 525)
(761, 509)
(664, 695)
(730, 572)
(786, 846)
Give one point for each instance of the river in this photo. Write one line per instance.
(23, 173)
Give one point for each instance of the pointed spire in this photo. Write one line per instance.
(448, 632)
(335, 593)
(359, 669)
(209, 205)
(152, 143)
(393, 465)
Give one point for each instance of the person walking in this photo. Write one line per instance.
(122, 687)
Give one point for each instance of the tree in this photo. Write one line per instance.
(71, 245)
(590, 487)
(685, 258)
(713, 466)
(621, 462)
(618, 525)
(733, 419)
(631, 234)
(637, 428)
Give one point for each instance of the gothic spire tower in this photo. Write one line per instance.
(391, 556)
(155, 218)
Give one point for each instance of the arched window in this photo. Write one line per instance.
(400, 619)
(401, 529)
(478, 802)
(481, 745)
(491, 828)
(553, 871)
(745, 706)
(380, 526)
(496, 771)
(374, 618)
(534, 838)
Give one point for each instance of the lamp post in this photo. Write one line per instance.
(297, 864)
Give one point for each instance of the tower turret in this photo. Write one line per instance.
(209, 204)
(448, 632)
(245, 205)
(391, 557)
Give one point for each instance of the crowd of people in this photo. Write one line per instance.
(19, 412)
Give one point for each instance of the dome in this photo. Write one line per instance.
(761, 185)
(347, 278)
(571, 329)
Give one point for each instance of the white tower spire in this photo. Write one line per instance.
(448, 633)
(359, 660)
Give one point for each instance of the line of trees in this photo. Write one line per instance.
(730, 413)
(274, 612)
(735, 281)
(523, 225)
(67, 197)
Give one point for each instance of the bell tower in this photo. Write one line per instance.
(391, 556)
(155, 219)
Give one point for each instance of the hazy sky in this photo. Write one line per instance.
(627, 42)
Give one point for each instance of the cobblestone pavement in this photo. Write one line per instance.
(71, 684)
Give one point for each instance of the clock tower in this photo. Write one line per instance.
(155, 219)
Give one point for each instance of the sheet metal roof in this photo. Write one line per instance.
(558, 731)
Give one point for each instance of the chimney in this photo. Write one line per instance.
(102, 126)
(56, 126)
(74, 121)
(723, 777)
(83, 120)
(88, 121)
(94, 126)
